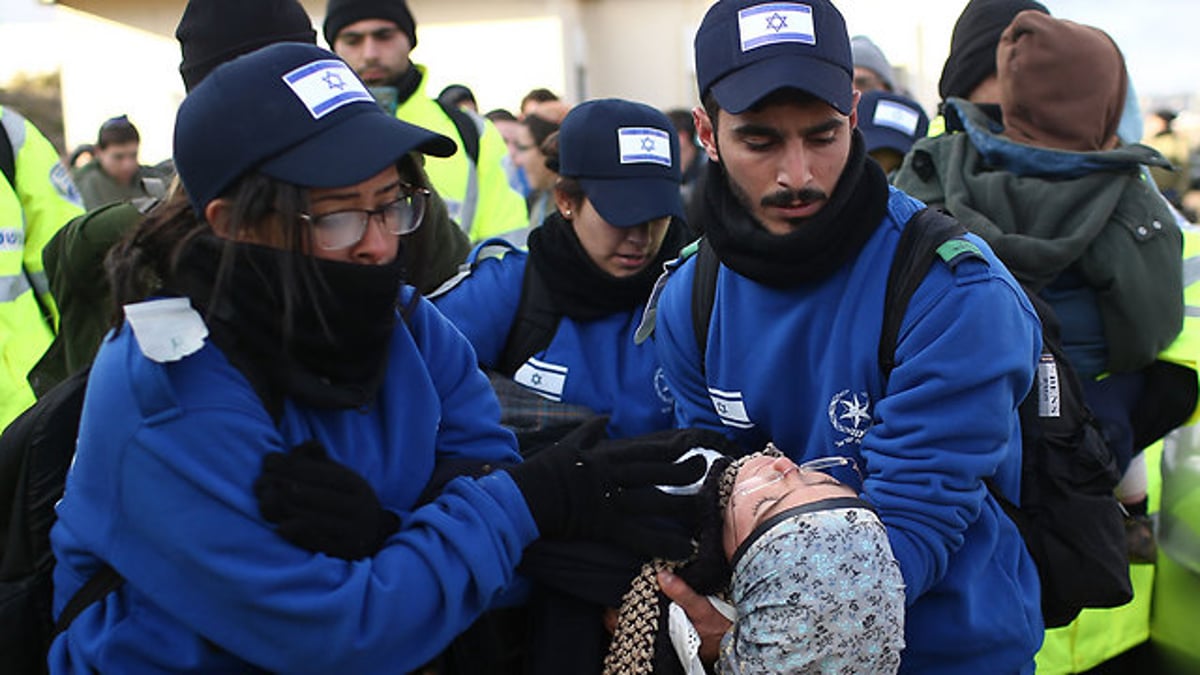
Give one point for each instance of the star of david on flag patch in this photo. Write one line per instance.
(547, 379)
(326, 85)
(776, 22)
(730, 408)
(644, 145)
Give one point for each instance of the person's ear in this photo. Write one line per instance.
(217, 215)
(706, 132)
(566, 205)
(854, 110)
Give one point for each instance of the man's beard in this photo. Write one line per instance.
(781, 198)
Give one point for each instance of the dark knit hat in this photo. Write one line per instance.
(342, 13)
(868, 55)
(211, 32)
(973, 43)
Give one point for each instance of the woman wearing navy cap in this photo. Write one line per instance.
(259, 343)
(589, 270)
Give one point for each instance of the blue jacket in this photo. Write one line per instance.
(800, 367)
(590, 363)
(161, 489)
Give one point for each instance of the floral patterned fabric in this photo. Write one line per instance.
(817, 590)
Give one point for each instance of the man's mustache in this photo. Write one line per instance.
(786, 198)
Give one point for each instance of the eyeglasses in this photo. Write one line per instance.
(819, 465)
(342, 229)
(811, 472)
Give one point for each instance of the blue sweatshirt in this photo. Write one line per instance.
(161, 489)
(591, 363)
(800, 367)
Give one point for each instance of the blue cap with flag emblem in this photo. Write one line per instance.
(890, 120)
(626, 157)
(294, 112)
(747, 49)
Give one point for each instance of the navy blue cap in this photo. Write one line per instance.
(889, 120)
(746, 49)
(626, 157)
(294, 112)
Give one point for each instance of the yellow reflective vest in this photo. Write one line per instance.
(478, 196)
(43, 200)
(1185, 350)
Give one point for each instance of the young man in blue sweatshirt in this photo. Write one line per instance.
(805, 227)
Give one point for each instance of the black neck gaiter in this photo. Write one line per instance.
(406, 83)
(817, 247)
(579, 288)
(298, 327)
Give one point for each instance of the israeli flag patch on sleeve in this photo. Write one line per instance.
(547, 379)
(644, 145)
(326, 85)
(730, 408)
(776, 22)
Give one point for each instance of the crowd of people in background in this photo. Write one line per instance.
(585, 386)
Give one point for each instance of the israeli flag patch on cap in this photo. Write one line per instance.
(896, 116)
(326, 85)
(730, 408)
(776, 22)
(547, 379)
(644, 145)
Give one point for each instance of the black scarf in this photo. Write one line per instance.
(580, 289)
(813, 251)
(332, 350)
(406, 83)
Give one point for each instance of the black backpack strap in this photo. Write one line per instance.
(103, 582)
(704, 293)
(8, 162)
(928, 235)
(468, 129)
(535, 324)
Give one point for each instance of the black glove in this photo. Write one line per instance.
(585, 486)
(321, 505)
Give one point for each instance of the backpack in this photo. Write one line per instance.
(1069, 518)
(533, 327)
(35, 453)
(469, 127)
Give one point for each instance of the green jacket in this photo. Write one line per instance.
(1044, 211)
(98, 188)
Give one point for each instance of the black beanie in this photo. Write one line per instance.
(211, 32)
(342, 13)
(973, 43)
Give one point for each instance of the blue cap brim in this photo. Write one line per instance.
(882, 137)
(626, 202)
(354, 150)
(740, 90)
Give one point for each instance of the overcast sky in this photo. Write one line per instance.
(1157, 37)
